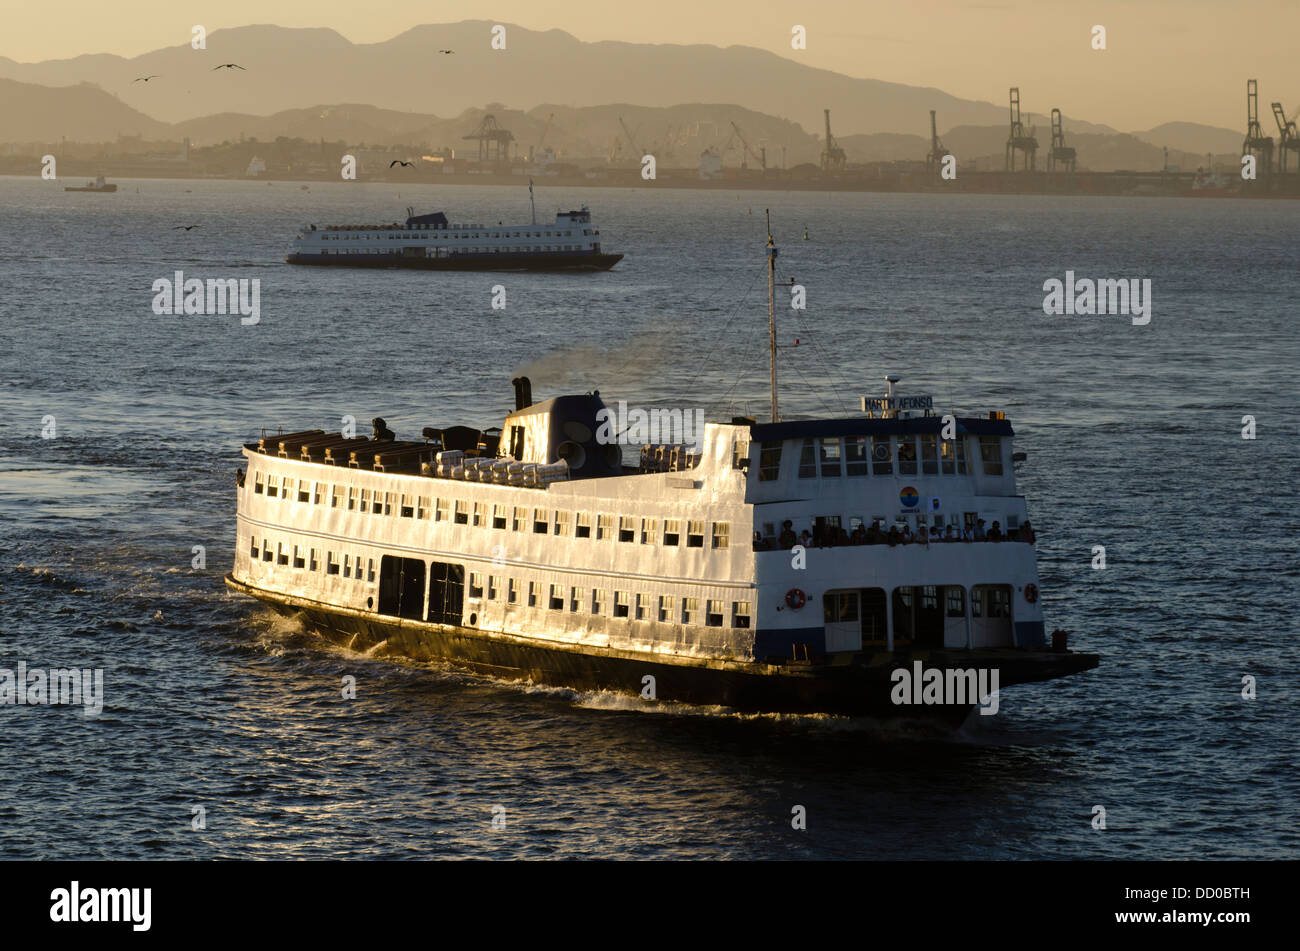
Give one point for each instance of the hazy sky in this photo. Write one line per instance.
(1165, 60)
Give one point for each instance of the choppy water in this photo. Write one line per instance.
(1134, 442)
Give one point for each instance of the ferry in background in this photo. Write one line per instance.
(98, 185)
(534, 552)
(1209, 184)
(428, 242)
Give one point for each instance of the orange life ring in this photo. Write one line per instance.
(1031, 593)
(795, 598)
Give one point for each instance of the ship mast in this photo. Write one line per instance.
(771, 308)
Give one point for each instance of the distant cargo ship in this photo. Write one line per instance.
(1211, 185)
(98, 185)
(428, 242)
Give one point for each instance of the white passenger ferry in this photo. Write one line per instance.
(740, 571)
(429, 242)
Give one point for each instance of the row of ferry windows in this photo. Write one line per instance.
(475, 249)
(640, 607)
(625, 604)
(519, 518)
(450, 237)
(836, 456)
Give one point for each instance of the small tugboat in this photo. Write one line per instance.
(799, 565)
(428, 242)
(98, 185)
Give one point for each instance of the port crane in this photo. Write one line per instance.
(492, 139)
(937, 151)
(631, 140)
(1289, 141)
(1060, 152)
(748, 149)
(832, 155)
(1020, 139)
(1257, 143)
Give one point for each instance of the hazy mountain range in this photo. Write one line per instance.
(414, 95)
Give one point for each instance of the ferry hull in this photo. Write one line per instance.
(536, 261)
(861, 687)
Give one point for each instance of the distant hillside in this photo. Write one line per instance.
(1194, 137)
(81, 113)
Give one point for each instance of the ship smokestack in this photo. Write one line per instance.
(523, 392)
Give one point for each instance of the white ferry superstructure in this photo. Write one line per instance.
(429, 242)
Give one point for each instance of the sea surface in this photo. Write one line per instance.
(1134, 442)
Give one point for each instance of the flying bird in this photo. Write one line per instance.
(229, 66)
(186, 227)
(446, 51)
(144, 79)
(397, 162)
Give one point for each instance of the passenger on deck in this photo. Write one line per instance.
(859, 536)
(951, 534)
(980, 534)
(968, 533)
(760, 543)
(842, 536)
(875, 534)
(892, 538)
(922, 537)
(936, 536)
(806, 540)
(1027, 533)
(905, 536)
(995, 533)
(788, 539)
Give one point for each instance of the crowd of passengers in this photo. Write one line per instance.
(833, 536)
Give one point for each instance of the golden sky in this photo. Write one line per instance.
(1166, 60)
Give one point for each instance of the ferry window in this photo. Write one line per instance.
(947, 456)
(721, 534)
(604, 526)
(929, 454)
(370, 568)
(352, 497)
(253, 550)
(620, 604)
(498, 516)
(626, 529)
(739, 453)
(475, 584)
(422, 507)
(672, 531)
(532, 594)
(272, 486)
(961, 457)
(665, 608)
(266, 549)
(597, 601)
(520, 519)
(365, 500)
(929, 598)
(561, 522)
(855, 455)
(642, 607)
(907, 455)
(541, 521)
(304, 490)
(1013, 522)
(991, 454)
(322, 490)
(493, 591)
(830, 455)
(840, 607)
(769, 462)
(690, 610)
(480, 515)
(347, 567)
(715, 614)
(258, 488)
(298, 560)
(807, 460)
(331, 563)
(407, 509)
(389, 499)
(512, 591)
(575, 599)
(288, 489)
(881, 457)
(462, 512)
(649, 530)
(954, 598)
(694, 534)
(740, 614)
(314, 563)
(442, 510)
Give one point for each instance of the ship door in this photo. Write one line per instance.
(446, 592)
(401, 587)
(843, 612)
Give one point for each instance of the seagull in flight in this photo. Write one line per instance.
(186, 227)
(446, 51)
(144, 79)
(399, 162)
(229, 66)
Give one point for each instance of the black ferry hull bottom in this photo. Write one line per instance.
(534, 261)
(854, 688)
